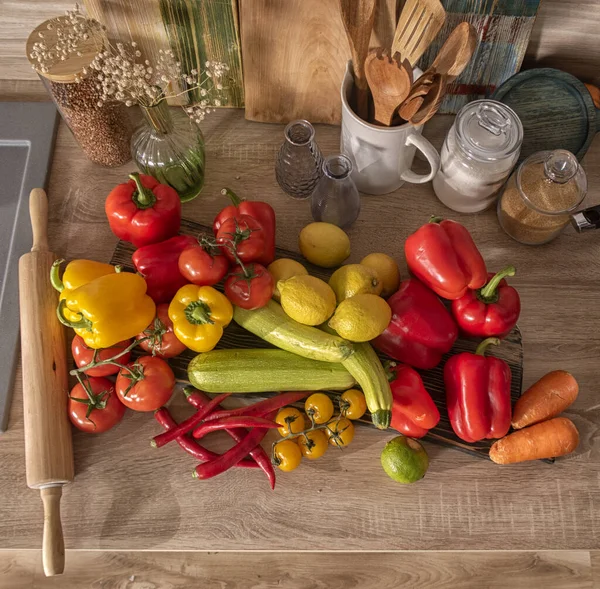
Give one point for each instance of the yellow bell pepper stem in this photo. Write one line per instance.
(79, 272)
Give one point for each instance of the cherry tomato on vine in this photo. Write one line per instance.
(84, 355)
(245, 235)
(320, 407)
(163, 341)
(340, 432)
(353, 404)
(251, 289)
(287, 455)
(313, 444)
(203, 265)
(146, 384)
(97, 410)
(291, 421)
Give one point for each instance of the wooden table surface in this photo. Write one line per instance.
(129, 496)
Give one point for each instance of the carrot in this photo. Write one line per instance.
(545, 399)
(548, 439)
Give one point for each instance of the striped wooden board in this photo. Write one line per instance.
(511, 350)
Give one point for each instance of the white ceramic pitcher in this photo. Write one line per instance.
(382, 156)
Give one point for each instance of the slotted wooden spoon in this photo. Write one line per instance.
(419, 24)
(390, 82)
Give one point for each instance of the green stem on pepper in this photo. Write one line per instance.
(490, 341)
(489, 292)
(143, 197)
(235, 199)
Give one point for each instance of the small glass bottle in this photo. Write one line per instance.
(478, 155)
(335, 198)
(541, 196)
(298, 165)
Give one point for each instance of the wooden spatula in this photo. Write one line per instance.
(419, 24)
(358, 17)
(48, 445)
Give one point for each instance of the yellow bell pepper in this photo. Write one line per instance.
(107, 310)
(199, 315)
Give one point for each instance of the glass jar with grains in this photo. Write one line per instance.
(102, 129)
(478, 155)
(540, 196)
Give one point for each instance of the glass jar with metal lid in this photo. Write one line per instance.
(103, 130)
(478, 155)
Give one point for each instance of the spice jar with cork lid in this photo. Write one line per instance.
(478, 155)
(541, 196)
(61, 51)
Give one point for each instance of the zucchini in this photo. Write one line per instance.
(273, 325)
(261, 371)
(366, 368)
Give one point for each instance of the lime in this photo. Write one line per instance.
(404, 460)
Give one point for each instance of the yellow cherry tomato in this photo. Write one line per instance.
(313, 444)
(291, 421)
(353, 404)
(340, 432)
(320, 407)
(287, 455)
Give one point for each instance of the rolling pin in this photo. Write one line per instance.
(48, 443)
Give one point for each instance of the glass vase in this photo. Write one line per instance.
(298, 166)
(169, 146)
(335, 198)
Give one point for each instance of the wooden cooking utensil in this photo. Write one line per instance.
(419, 24)
(412, 103)
(431, 101)
(48, 444)
(455, 54)
(358, 17)
(390, 84)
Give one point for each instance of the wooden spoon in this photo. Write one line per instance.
(390, 84)
(428, 81)
(431, 101)
(358, 17)
(456, 52)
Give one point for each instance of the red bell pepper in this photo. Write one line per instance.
(263, 212)
(444, 256)
(491, 311)
(421, 329)
(142, 211)
(478, 394)
(158, 263)
(413, 411)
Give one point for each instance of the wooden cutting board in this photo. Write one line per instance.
(235, 336)
(295, 54)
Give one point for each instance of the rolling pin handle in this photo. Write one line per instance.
(38, 211)
(53, 545)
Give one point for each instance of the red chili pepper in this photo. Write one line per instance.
(232, 456)
(478, 394)
(188, 424)
(491, 311)
(190, 446)
(443, 255)
(261, 408)
(142, 211)
(421, 329)
(158, 263)
(232, 422)
(413, 411)
(263, 212)
(198, 399)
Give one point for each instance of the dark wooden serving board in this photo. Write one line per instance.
(511, 350)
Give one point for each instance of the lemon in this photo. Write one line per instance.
(361, 317)
(387, 271)
(324, 244)
(282, 269)
(307, 299)
(354, 279)
(404, 460)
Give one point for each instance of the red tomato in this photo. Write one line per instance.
(149, 387)
(162, 340)
(251, 290)
(203, 267)
(106, 409)
(246, 235)
(83, 356)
